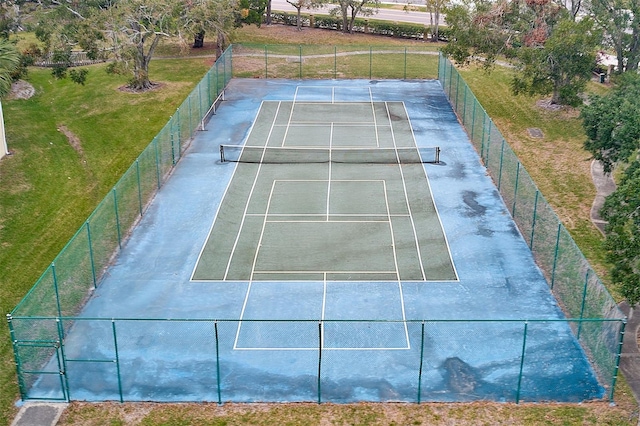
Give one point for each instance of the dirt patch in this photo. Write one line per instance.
(72, 138)
(21, 90)
(154, 86)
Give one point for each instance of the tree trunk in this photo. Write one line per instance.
(299, 20)
(198, 40)
(345, 17)
(219, 44)
(268, 18)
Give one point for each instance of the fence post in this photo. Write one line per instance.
(501, 162)
(300, 57)
(319, 362)
(555, 255)
(515, 191)
(584, 300)
(524, 346)
(139, 185)
(155, 140)
(420, 369)
(457, 90)
(533, 220)
(405, 63)
(623, 325)
(370, 61)
(335, 62)
(93, 265)
(115, 208)
(55, 287)
(464, 107)
(473, 122)
(117, 360)
(266, 63)
(64, 379)
(14, 343)
(486, 162)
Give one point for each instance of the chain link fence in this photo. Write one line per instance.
(353, 61)
(67, 283)
(128, 359)
(573, 282)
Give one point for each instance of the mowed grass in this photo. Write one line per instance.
(51, 185)
(558, 163)
(70, 144)
(470, 414)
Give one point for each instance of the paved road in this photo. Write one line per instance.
(383, 14)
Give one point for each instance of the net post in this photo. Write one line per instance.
(524, 347)
(215, 328)
(421, 361)
(222, 154)
(437, 154)
(117, 360)
(319, 362)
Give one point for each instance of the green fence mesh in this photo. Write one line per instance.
(353, 61)
(40, 323)
(575, 285)
(64, 287)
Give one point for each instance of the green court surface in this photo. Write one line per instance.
(327, 191)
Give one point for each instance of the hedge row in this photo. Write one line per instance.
(361, 25)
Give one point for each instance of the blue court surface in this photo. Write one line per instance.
(460, 339)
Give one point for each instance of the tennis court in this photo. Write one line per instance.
(328, 191)
(332, 256)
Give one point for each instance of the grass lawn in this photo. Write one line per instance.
(71, 144)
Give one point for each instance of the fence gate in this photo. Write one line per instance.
(41, 372)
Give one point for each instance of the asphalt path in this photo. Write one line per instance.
(393, 15)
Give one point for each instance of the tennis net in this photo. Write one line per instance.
(285, 155)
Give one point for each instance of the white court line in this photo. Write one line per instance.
(375, 120)
(246, 207)
(406, 196)
(253, 268)
(330, 169)
(433, 201)
(334, 214)
(324, 271)
(204, 244)
(395, 259)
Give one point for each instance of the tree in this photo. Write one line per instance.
(622, 211)
(435, 7)
(209, 16)
(350, 9)
(552, 53)
(562, 65)
(299, 4)
(612, 123)
(620, 21)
